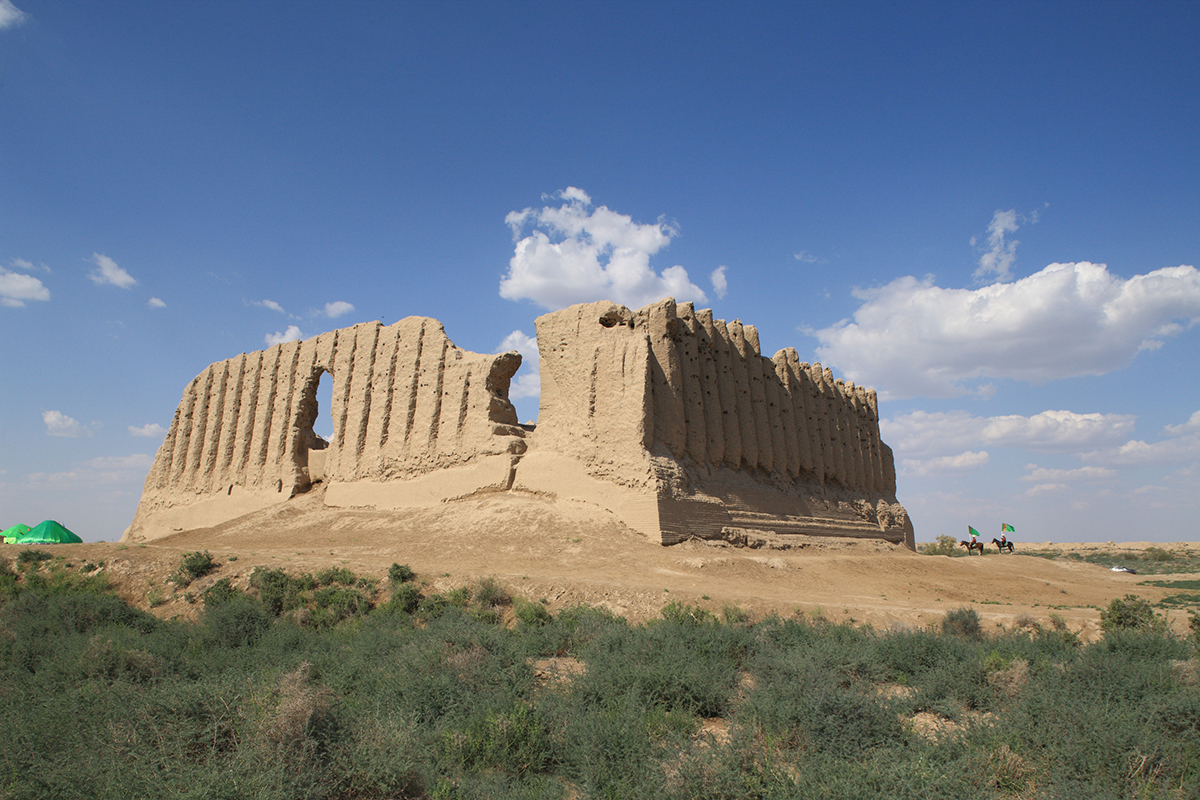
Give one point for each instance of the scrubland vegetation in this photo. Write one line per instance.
(335, 686)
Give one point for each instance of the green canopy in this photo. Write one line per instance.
(49, 532)
(11, 535)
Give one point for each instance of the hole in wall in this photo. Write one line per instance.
(323, 424)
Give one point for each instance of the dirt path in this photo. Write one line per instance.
(573, 553)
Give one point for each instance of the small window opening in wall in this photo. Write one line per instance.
(323, 424)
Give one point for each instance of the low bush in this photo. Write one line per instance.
(488, 592)
(962, 622)
(406, 597)
(102, 700)
(1131, 613)
(945, 545)
(33, 556)
(400, 573)
(531, 614)
(332, 575)
(194, 566)
(220, 592)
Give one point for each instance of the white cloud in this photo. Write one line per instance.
(337, 309)
(59, 424)
(290, 335)
(10, 15)
(108, 272)
(923, 433)
(151, 430)
(1000, 255)
(154, 302)
(944, 464)
(528, 380)
(28, 265)
(1193, 424)
(1046, 488)
(578, 254)
(271, 304)
(912, 338)
(16, 288)
(805, 257)
(720, 284)
(1043, 474)
(1174, 450)
(97, 471)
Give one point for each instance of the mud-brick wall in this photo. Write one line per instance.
(717, 400)
(406, 400)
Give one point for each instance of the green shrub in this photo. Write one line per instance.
(237, 622)
(400, 573)
(514, 741)
(945, 545)
(220, 592)
(406, 597)
(962, 622)
(1158, 554)
(335, 603)
(531, 614)
(194, 566)
(26, 557)
(1132, 613)
(685, 614)
(490, 593)
(332, 575)
(277, 592)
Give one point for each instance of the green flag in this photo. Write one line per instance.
(972, 531)
(1006, 528)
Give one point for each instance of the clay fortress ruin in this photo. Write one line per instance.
(669, 419)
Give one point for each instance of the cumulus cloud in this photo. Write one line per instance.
(805, 257)
(108, 272)
(16, 288)
(1046, 488)
(528, 380)
(154, 302)
(720, 285)
(912, 338)
(337, 309)
(1191, 426)
(151, 430)
(1000, 254)
(944, 464)
(576, 253)
(292, 334)
(271, 304)
(1045, 475)
(10, 15)
(59, 424)
(29, 265)
(946, 433)
(103, 470)
(1181, 444)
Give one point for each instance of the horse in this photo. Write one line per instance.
(972, 546)
(1002, 546)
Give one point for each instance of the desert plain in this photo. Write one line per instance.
(568, 553)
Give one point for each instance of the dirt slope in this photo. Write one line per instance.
(573, 553)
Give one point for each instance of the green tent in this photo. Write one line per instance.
(11, 535)
(49, 532)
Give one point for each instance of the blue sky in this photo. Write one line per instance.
(990, 212)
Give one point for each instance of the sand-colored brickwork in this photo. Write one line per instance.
(672, 420)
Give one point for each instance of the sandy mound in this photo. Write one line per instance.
(573, 553)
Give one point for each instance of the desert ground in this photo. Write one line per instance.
(570, 553)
